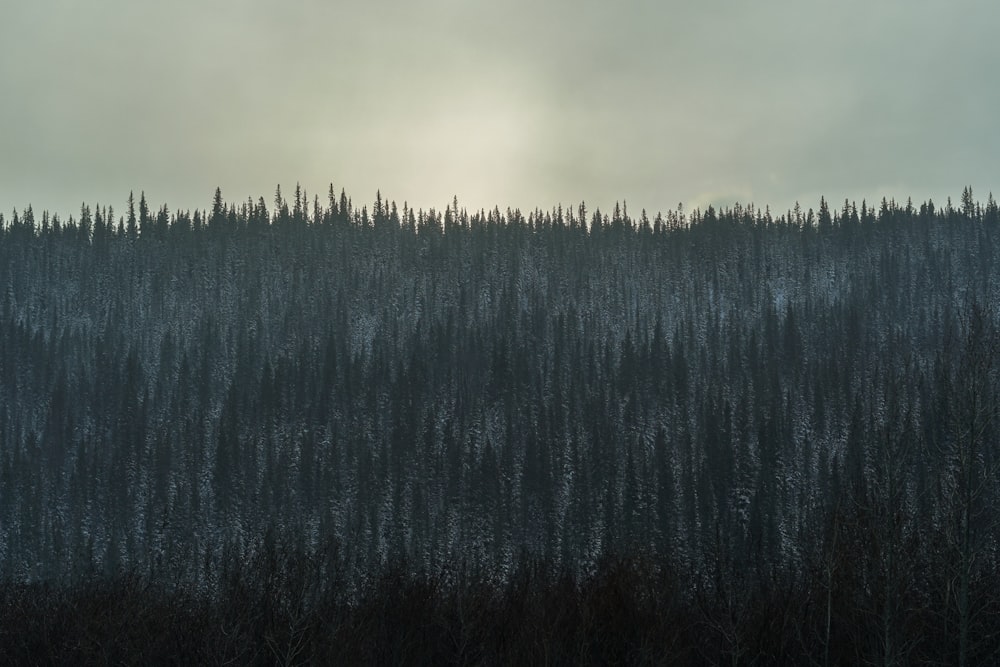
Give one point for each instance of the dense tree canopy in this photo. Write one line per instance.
(805, 401)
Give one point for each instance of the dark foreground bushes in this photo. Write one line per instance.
(627, 611)
(624, 613)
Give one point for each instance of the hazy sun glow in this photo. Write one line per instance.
(474, 146)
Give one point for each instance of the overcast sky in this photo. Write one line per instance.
(526, 103)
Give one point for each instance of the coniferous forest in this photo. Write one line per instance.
(307, 432)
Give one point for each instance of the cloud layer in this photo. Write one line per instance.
(521, 103)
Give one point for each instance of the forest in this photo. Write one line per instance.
(304, 432)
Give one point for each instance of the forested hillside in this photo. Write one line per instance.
(745, 403)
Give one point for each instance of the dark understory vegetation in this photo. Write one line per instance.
(625, 611)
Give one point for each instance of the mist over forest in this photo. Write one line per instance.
(717, 435)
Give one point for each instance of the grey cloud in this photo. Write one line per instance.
(523, 103)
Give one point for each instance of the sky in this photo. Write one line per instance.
(521, 103)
